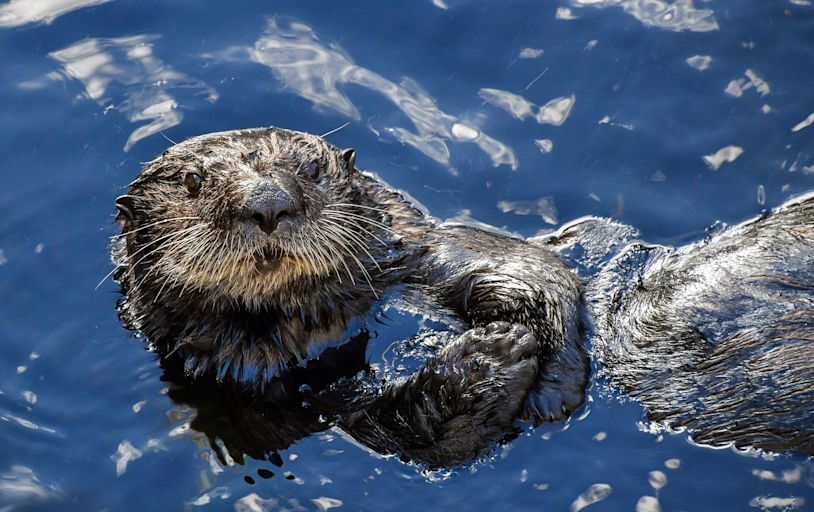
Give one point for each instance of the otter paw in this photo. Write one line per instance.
(463, 401)
(488, 372)
(498, 341)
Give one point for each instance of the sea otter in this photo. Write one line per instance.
(245, 254)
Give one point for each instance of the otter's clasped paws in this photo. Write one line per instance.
(485, 375)
(462, 402)
(501, 342)
(480, 380)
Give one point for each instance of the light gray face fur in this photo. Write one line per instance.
(267, 208)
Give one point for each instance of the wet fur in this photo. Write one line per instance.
(189, 271)
(713, 337)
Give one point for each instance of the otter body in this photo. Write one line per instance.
(243, 253)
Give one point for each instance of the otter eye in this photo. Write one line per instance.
(193, 182)
(312, 170)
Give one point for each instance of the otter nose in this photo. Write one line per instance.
(270, 203)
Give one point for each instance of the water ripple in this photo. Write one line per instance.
(318, 72)
(677, 16)
(555, 112)
(124, 74)
(21, 485)
(23, 12)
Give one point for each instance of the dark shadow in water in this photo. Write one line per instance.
(339, 389)
(303, 401)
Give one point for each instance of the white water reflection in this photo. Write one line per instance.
(777, 503)
(319, 72)
(699, 62)
(326, 504)
(517, 106)
(608, 120)
(21, 485)
(254, 503)
(672, 463)
(530, 53)
(805, 123)
(545, 145)
(125, 453)
(594, 494)
(21, 12)
(554, 112)
(657, 480)
(722, 156)
(677, 16)
(789, 476)
(544, 207)
(648, 504)
(123, 74)
(737, 87)
(564, 13)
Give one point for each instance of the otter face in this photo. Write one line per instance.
(244, 215)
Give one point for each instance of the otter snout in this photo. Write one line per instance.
(270, 202)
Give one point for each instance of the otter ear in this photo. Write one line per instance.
(127, 207)
(349, 157)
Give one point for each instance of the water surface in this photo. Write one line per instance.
(668, 116)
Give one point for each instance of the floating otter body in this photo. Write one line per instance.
(715, 337)
(244, 253)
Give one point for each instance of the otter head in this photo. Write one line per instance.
(250, 218)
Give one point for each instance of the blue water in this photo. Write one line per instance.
(450, 101)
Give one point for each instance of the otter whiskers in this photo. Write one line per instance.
(178, 239)
(130, 256)
(148, 226)
(335, 234)
(341, 216)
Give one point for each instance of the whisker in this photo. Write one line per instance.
(357, 226)
(164, 237)
(120, 265)
(359, 241)
(146, 226)
(352, 205)
(350, 253)
(167, 245)
(334, 130)
(326, 240)
(197, 246)
(348, 215)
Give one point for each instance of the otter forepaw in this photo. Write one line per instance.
(477, 384)
(502, 342)
(462, 402)
(560, 387)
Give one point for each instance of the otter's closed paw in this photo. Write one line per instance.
(462, 402)
(481, 378)
(503, 343)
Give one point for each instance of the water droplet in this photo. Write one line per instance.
(648, 504)
(657, 479)
(594, 494)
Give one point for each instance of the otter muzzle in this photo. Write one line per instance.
(269, 203)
